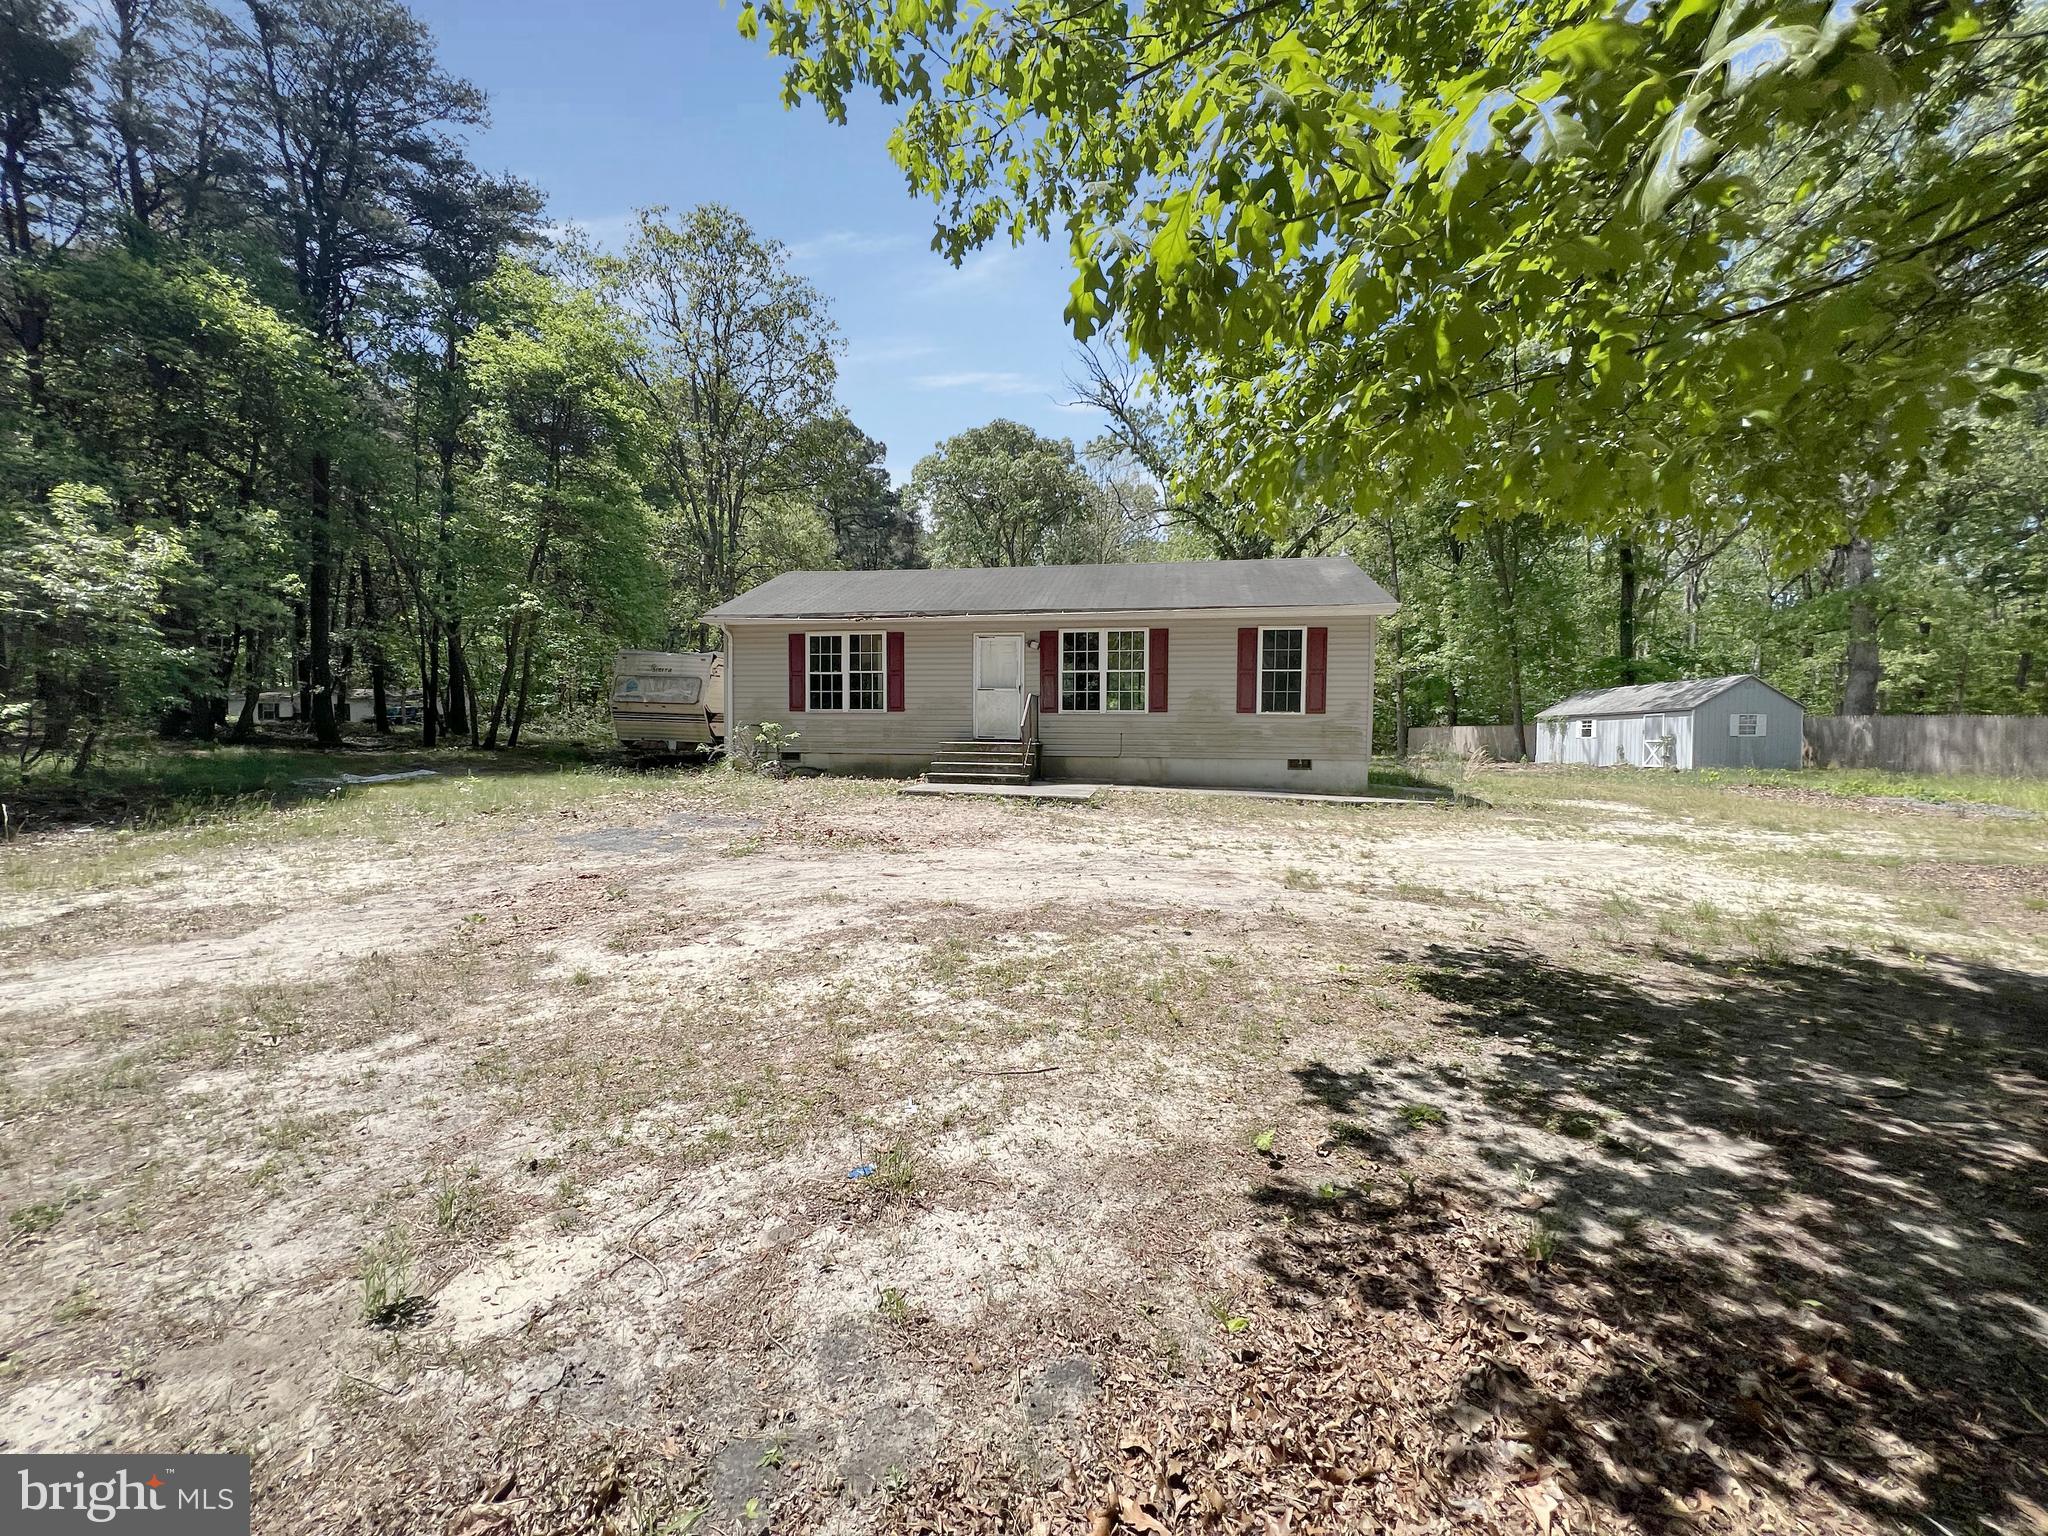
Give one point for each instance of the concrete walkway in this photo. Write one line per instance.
(1055, 790)
(1038, 791)
(1305, 796)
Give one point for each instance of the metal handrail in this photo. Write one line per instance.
(1027, 731)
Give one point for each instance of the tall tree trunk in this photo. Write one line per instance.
(459, 712)
(430, 682)
(320, 606)
(512, 636)
(252, 690)
(1862, 665)
(54, 694)
(1502, 547)
(1625, 631)
(302, 672)
(128, 111)
(461, 688)
(379, 671)
(209, 712)
(525, 683)
(519, 630)
(1400, 669)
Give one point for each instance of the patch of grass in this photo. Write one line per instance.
(893, 1307)
(1298, 879)
(1574, 1123)
(1696, 926)
(385, 1274)
(1411, 890)
(568, 1203)
(1419, 1116)
(1618, 916)
(83, 1302)
(1541, 1241)
(33, 1220)
(463, 1206)
(1225, 1313)
(1767, 935)
(896, 1170)
(294, 1133)
(1416, 772)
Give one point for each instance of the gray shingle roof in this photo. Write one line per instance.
(1652, 698)
(1323, 584)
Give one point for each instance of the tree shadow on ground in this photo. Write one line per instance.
(1801, 1223)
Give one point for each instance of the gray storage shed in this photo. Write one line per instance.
(1709, 722)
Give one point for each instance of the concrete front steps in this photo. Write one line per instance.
(984, 762)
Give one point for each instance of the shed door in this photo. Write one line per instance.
(1658, 743)
(998, 686)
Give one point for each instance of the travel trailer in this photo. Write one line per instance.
(669, 703)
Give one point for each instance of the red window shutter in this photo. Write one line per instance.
(796, 674)
(1248, 671)
(894, 662)
(1316, 685)
(1155, 664)
(1048, 671)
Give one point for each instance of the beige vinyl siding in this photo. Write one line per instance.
(1200, 723)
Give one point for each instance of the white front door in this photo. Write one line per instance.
(998, 687)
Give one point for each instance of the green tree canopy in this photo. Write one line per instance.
(1002, 495)
(1554, 257)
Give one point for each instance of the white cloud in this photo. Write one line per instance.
(982, 269)
(847, 242)
(888, 350)
(608, 232)
(983, 381)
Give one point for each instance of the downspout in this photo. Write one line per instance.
(733, 727)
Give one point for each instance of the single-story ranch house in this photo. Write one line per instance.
(1245, 673)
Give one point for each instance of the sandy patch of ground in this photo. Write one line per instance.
(511, 1170)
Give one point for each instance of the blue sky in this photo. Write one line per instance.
(614, 104)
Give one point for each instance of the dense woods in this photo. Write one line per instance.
(294, 395)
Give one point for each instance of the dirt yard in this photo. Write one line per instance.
(480, 1155)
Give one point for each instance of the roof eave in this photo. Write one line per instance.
(844, 616)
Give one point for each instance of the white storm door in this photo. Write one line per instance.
(998, 686)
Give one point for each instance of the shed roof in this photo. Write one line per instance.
(1656, 698)
(1319, 585)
